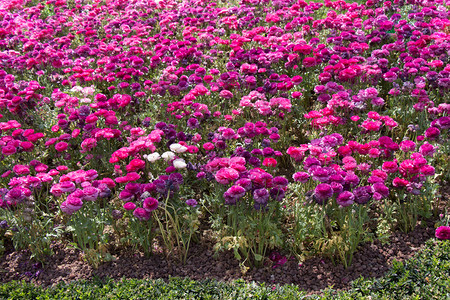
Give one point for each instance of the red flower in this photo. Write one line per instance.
(269, 162)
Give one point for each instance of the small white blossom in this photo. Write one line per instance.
(153, 157)
(177, 148)
(179, 163)
(168, 155)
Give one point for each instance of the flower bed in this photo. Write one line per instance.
(306, 128)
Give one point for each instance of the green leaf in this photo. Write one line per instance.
(258, 257)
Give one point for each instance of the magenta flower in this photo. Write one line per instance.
(150, 204)
(141, 214)
(390, 167)
(301, 177)
(322, 192)
(345, 198)
(129, 206)
(443, 233)
(236, 191)
(427, 150)
(61, 146)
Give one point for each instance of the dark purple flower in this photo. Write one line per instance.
(261, 196)
(277, 194)
(362, 194)
(280, 182)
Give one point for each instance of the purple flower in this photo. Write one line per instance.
(311, 161)
(268, 151)
(245, 183)
(337, 187)
(277, 194)
(362, 194)
(280, 182)
(432, 133)
(351, 179)
(322, 192)
(261, 196)
(191, 202)
(321, 174)
(443, 123)
(380, 188)
(345, 199)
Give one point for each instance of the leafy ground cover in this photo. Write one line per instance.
(423, 277)
(277, 132)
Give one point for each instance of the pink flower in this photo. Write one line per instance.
(301, 177)
(400, 182)
(226, 175)
(407, 146)
(129, 206)
(71, 205)
(269, 162)
(208, 146)
(390, 167)
(21, 170)
(372, 125)
(8, 150)
(135, 164)
(61, 146)
(443, 233)
(427, 149)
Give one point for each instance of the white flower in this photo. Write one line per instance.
(85, 100)
(179, 163)
(177, 148)
(153, 157)
(168, 155)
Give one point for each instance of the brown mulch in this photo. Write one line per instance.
(371, 260)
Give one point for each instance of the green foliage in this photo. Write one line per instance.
(423, 277)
